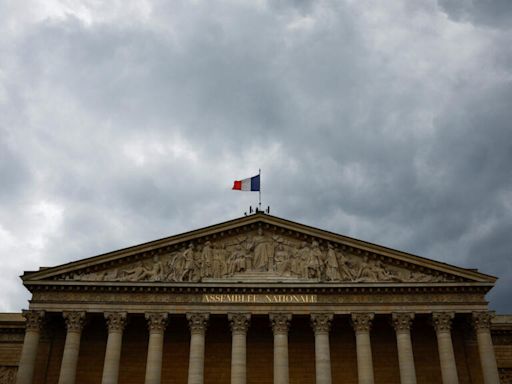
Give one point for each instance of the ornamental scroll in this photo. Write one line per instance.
(258, 253)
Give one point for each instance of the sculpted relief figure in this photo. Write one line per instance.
(282, 260)
(207, 260)
(219, 267)
(237, 261)
(332, 269)
(313, 261)
(263, 251)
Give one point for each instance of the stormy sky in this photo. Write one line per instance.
(123, 122)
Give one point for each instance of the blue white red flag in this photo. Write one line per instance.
(252, 184)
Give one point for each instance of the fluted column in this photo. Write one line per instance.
(239, 324)
(482, 325)
(443, 325)
(33, 326)
(402, 324)
(198, 323)
(280, 325)
(74, 324)
(156, 324)
(116, 322)
(362, 323)
(321, 323)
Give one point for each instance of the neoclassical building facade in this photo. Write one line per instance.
(255, 300)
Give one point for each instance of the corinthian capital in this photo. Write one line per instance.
(33, 320)
(402, 321)
(321, 322)
(280, 322)
(198, 322)
(239, 322)
(442, 321)
(157, 321)
(482, 320)
(75, 320)
(362, 322)
(116, 321)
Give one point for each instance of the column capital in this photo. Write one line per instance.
(402, 321)
(157, 321)
(482, 320)
(198, 322)
(34, 320)
(239, 322)
(116, 321)
(442, 321)
(321, 322)
(362, 321)
(75, 320)
(280, 322)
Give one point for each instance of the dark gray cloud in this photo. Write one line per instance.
(122, 124)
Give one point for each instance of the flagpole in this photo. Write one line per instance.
(259, 174)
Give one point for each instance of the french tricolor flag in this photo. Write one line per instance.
(252, 184)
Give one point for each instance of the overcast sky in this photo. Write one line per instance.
(123, 122)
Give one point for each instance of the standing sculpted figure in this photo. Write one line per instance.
(313, 265)
(332, 269)
(207, 260)
(189, 268)
(283, 265)
(346, 273)
(263, 252)
(237, 261)
(303, 254)
(219, 267)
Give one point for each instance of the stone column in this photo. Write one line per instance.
(482, 325)
(116, 322)
(362, 323)
(239, 324)
(198, 323)
(443, 324)
(156, 324)
(33, 326)
(321, 324)
(74, 323)
(402, 324)
(280, 324)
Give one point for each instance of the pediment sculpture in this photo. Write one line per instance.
(261, 254)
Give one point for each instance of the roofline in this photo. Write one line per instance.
(252, 219)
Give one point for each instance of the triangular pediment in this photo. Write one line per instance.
(258, 248)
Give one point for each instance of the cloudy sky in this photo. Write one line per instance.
(123, 122)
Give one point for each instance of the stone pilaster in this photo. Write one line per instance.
(362, 323)
(280, 325)
(402, 324)
(198, 323)
(482, 325)
(239, 325)
(33, 326)
(443, 325)
(75, 322)
(321, 323)
(157, 322)
(116, 322)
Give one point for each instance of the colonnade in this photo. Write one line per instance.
(280, 322)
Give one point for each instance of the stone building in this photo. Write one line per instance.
(256, 300)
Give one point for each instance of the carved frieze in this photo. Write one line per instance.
(261, 253)
(8, 375)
